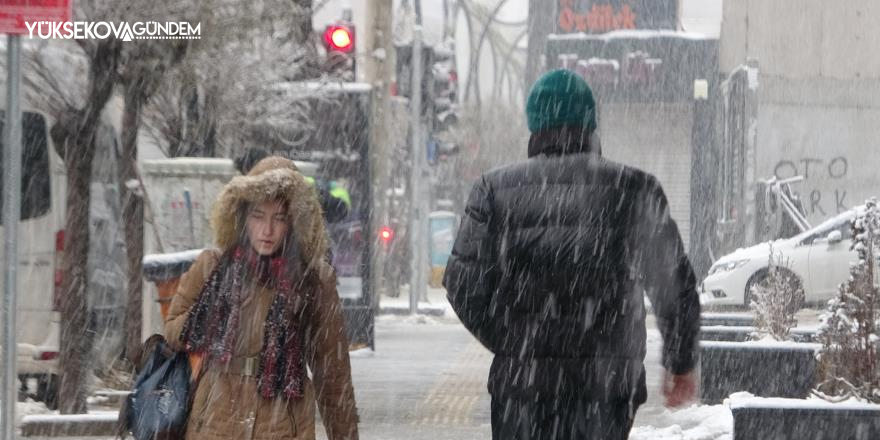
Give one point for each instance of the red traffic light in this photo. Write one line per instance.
(339, 38)
(386, 234)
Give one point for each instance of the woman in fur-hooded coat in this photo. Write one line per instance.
(259, 314)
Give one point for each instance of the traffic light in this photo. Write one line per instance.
(442, 98)
(386, 234)
(339, 42)
(404, 72)
(339, 37)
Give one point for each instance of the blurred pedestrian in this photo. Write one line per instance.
(262, 309)
(549, 271)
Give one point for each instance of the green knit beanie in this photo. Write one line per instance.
(561, 98)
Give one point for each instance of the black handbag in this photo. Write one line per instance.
(158, 406)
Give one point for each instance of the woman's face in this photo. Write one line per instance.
(267, 225)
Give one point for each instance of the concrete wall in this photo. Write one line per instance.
(835, 145)
(803, 38)
(818, 94)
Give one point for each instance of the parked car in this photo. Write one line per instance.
(819, 259)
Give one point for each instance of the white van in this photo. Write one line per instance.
(41, 246)
(40, 243)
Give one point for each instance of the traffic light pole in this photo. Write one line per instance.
(418, 222)
(10, 217)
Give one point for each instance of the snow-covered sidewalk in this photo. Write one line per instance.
(29, 408)
(698, 422)
(436, 304)
(34, 419)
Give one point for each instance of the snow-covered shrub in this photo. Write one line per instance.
(775, 298)
(849, 359)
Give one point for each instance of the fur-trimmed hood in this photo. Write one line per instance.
(272, 178)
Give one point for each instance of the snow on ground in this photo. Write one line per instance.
(29, 408)
(435, 310)
(37, 411)
(747, 400)
(362, 353)
(92, 416)
(715, 422)
(172, 257)
(97, 400)
(698, 422)
(412, 320)
(436, 300)
(766, 343)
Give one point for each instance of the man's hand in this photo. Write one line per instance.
(679, 389)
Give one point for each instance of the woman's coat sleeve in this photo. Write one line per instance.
(187, 293)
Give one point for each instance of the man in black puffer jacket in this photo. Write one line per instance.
(549, 272)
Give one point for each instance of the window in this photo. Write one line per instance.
(36, 197)
(845, 229)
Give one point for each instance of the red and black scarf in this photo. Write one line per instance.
(213, 322)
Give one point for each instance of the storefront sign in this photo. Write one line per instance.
(600, 16)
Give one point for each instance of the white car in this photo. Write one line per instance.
(819, 259)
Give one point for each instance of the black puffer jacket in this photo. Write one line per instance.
(549, 270)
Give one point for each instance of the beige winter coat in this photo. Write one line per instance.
(227, 404)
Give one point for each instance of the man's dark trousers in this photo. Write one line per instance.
(561, 419)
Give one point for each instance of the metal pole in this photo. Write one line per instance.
(424, 236)
(10, 217)
(418, 152)
(418, 9)
(751, 153)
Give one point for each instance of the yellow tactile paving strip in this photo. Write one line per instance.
(453, 398)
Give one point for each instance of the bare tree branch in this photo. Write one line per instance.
(223, 89)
